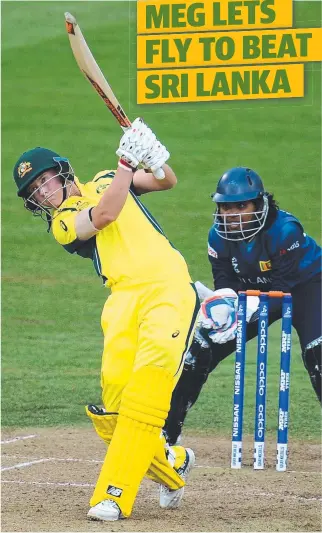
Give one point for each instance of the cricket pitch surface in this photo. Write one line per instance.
(48, 476)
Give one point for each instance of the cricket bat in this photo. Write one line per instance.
(95, 76)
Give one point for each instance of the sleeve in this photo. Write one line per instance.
(134, 189)
(63, 227)
(222, 270)
(286, 253)
(108, 175)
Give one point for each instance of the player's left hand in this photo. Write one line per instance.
(136, 143)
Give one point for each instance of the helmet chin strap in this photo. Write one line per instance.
(49, 221)
(65, 192)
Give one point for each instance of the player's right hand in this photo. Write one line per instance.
(135, 145)
(156, 157)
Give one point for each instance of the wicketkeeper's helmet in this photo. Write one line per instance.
(240, 184)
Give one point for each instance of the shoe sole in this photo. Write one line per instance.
(102, 517)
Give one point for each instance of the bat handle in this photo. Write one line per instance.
(159, 174)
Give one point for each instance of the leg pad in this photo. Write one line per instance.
(104, 423)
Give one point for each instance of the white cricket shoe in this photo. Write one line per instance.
(170, 499)
(107, 510)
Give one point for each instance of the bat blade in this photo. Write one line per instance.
(92, 72)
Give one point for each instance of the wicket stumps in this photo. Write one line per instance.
(261, 373)
(261, 377)
(237, 436)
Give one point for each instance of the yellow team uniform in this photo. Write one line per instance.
(148, 323)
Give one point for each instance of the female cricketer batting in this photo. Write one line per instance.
(148, 320)
(252, 245)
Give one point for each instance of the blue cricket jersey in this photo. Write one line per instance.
(280, 257)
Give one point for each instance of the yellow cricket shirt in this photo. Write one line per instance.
(133, 248)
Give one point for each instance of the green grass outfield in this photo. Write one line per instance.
(51, 301)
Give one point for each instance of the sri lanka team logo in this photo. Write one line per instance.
(23, 168)
(265, 265)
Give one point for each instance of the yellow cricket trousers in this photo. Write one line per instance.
(146, 324)
(147, 329)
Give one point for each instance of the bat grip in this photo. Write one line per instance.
(159, 174)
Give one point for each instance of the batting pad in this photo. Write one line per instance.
(161, 471)
(104, 424)
(144, 407)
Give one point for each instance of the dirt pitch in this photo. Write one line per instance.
(49, 474)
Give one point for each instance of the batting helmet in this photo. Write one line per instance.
(35, 161)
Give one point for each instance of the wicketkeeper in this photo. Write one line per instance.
(148, 319)
(252, 245)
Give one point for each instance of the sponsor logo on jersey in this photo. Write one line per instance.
(255, 281)
(265, 266)
(114, 491)
(212, 252)
(63, 225)
(23, 168)
(295, 244)
(101, 187)
(234, 262)
(81, 204)
(176, 334)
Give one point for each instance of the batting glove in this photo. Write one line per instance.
(156, 157)
(135, 144)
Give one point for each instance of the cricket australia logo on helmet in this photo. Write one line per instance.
(23, 168)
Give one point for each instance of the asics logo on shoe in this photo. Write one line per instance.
(114, 491)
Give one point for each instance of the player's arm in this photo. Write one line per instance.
(113, 199)
(138, 145)
(223, 273)
(287, 250)
(144, 182)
